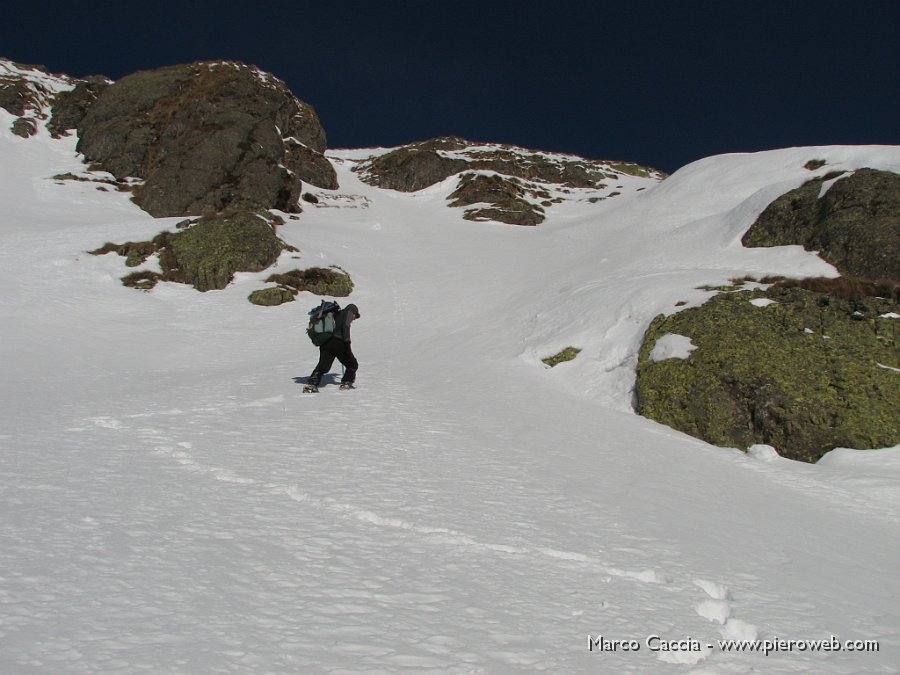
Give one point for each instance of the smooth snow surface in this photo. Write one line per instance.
(171, 502)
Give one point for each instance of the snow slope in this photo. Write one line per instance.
(171, 503)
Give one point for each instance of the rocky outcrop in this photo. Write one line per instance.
(807, 365)
(27, 92)
(510, 183)
(509, 198)
(15, 96)
(24, 127)
(333, 282)
(206, 137)
(854, 225)
(419, 165)
(803, 371)
(208, 252)
(414, 167)
(70, 107)
(205, 254)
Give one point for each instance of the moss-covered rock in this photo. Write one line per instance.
(207, 253)
(332, 282)
(271, 297)
(806, 373)
(567, 354)
(854, 225)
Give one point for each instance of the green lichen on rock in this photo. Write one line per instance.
(567, 354)
(332, 282)
(805, 374)
(854, 225)
(271, 297)
(208, 253)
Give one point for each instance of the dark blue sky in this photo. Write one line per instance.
(660, 83)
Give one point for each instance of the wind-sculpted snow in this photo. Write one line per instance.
(173, 504)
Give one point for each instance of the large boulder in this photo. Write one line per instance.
(206, 137)
(854, 225)
(803, 371)
(207, 255)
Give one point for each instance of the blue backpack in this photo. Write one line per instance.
(321, 322)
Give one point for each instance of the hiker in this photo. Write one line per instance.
(337, 347)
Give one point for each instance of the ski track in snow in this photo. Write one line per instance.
(347, 535)
(319, 531)
(631, 566)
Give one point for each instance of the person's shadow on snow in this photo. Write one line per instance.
(328, 378)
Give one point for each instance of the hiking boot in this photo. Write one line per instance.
(347, 385)
(310, 389)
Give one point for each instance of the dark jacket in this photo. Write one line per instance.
(343, 320)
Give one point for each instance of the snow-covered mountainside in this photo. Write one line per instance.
(171, 502)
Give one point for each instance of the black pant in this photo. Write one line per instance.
(338, 349)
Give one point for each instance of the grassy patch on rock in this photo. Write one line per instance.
(567, 354)
(800, 370)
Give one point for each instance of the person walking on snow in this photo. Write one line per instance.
(337, 347)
